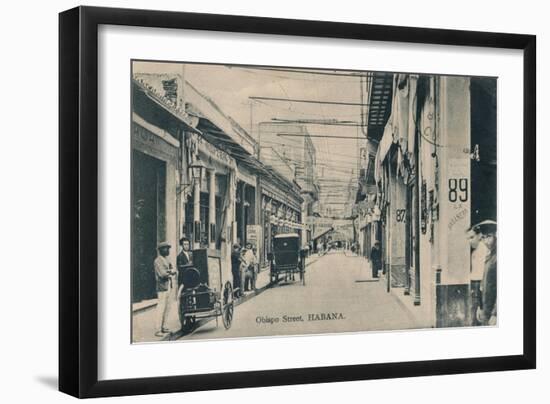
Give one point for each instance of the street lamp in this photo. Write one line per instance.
(195, 172)
(196, 169)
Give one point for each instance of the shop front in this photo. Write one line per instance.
(281, 213)
(208, 206)
(245, 206)
(153, 200)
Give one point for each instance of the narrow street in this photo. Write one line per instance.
(368, 166)
(338, 286)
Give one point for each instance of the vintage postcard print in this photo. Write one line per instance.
(270, 201)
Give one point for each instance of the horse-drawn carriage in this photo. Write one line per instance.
(287, 258)
(204, 290)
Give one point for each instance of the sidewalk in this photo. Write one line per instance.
(144, 314)
(405, 301)
(144, 319)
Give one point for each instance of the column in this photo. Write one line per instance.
(184, 180)
(259, 219)
(233, 207)
(454, 177)
(398, 209)
(243, 215)
(212, 208)
(196, 214)
(452, 303)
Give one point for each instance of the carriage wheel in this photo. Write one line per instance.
(227, 305)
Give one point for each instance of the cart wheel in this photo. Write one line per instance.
(227, 305)
(187, 323)
(183, 320)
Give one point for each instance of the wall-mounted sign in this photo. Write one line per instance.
(253, 234)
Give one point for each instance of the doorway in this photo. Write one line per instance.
(148, 221)
(483, 149)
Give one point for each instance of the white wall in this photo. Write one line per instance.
(28, 206)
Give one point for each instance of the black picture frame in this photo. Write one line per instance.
(78, 200)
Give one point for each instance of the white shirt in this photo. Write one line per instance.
(186, 254)
(249, 257)
(478, 261)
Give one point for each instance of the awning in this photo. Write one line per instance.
(246, 176)
(223, 125)
(153, 107)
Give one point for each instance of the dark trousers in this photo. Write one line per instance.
(475, 295)
(376, 266)
(249, 279)
(236, 280)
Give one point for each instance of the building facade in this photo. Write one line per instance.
(289, 149)
(435, 175)
(196, 174)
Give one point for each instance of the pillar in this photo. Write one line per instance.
(196, 214)
(397, 222)
(452, 294)
(211, 208)
(454, 178)
(243, 215)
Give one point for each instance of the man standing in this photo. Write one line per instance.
(236, 269)
(478, 257)
(376, 259)
(479, 253)
(250, 264)
(163, 276)
(487, 312)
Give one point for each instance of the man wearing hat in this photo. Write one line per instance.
(163, 276)
(487, 312)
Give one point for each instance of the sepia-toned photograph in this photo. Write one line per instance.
(274, 201)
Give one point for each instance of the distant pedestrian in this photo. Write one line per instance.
(236, 269)
(163, 276)
(376, 259)
(319, 248)
(487, 313)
